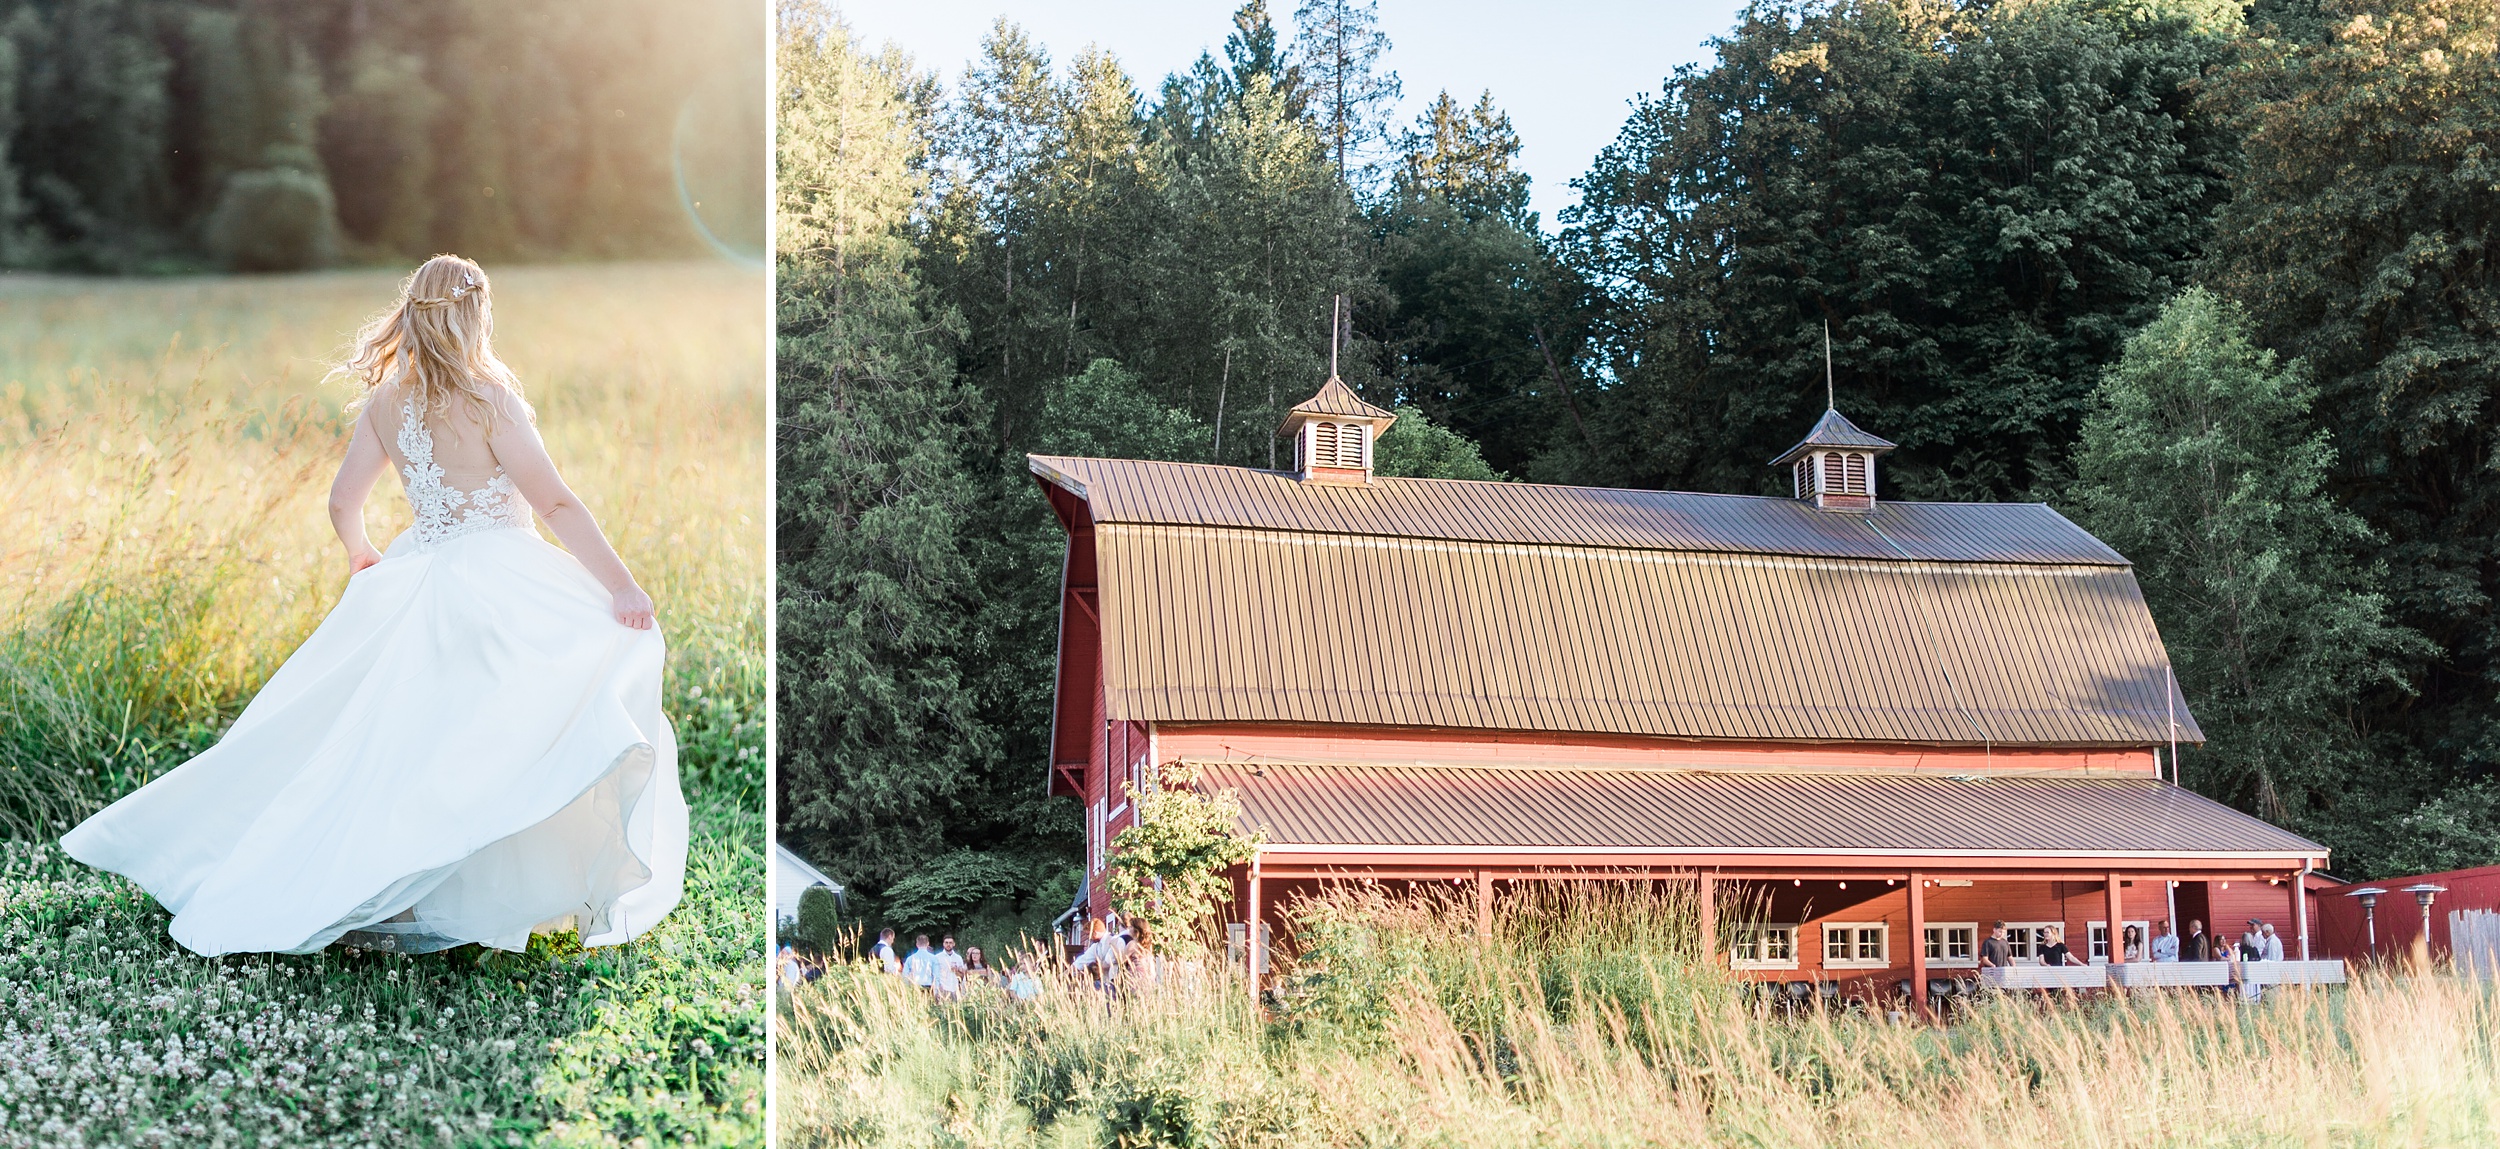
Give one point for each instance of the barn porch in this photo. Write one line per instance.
(1850, 885)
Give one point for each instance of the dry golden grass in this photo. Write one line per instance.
(165, 455)
(1414, 1034)
(165, 451)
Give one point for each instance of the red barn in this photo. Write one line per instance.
(1886, 723)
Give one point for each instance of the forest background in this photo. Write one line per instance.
(2217, 281)
(260, 135)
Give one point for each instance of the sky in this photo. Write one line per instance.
(1566, 72)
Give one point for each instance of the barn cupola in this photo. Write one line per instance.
(1835, 464)
(1333, 433)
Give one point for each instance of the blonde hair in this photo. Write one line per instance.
(437, 341)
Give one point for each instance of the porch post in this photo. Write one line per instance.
(1918, 944)
(1706, 888)
(1250, 934)
(1484, 906)
(2117, 927)
(2300, 907)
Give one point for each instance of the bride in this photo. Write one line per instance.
(470, 747)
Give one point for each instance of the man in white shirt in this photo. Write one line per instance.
(2273, 942)
(950, 969)
(883, 952)
(921, 968)
(2165, 942)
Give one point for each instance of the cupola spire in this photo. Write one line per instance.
(1334, 430)
(1834, 465)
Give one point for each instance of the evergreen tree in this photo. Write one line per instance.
(1467, 156)
(877, 721)
(1471, 284)
(1980, 202)
(266, 134)
(1251, 50)
(2360, 236)
(1338, 45)
(2199, 462)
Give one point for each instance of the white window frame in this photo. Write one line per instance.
(1938, 960)
(2097, 948)
(2028, 952)
(1097, 819)
(1883, 945)
(1755, 939)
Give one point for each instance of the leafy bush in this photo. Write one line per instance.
(944, 894)
(1170, 867)
(821, 922)
(275, 219)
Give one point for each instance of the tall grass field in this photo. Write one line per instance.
(165, 454)
(1586, 1022)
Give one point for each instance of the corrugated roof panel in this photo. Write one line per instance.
(1193, 494)
(1353, 629)
(1390, 805)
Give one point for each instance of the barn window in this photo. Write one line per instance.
(1805, 477)
(1855, 944)
(2098, 932)
(2024, 940)
(1953, 943)
(1323, 444)
(1854, 480)
(1831, 472)
(1764, 947)
(1350, 445)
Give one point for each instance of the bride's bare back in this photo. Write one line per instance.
(459, 430)
(477, 446)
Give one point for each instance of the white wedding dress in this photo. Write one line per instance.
(469, 748)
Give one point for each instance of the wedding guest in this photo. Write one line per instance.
(2055, 952)
(950, 969)
(920, 968)
(1995, 953)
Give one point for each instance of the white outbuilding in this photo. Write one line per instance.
(792, 876)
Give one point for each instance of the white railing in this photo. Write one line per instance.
(2147, 974)
(2293, 972)
(2044, 977)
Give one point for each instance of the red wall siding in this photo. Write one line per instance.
(2342, 930)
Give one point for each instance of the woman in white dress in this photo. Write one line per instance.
(470, 747)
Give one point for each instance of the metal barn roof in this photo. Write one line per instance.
(1237, 595)
(1454, 807)
(1197, 494)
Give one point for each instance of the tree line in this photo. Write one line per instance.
(169, 135)
(2214, 281)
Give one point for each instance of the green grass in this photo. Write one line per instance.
(165, 449)
(1585, 1022)
(114, 1035)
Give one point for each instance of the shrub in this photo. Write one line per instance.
(275, 219)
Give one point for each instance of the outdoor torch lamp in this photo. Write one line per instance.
(2423, 892)
(2369, 911)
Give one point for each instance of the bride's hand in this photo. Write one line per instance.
(633, 608)
(357, 561)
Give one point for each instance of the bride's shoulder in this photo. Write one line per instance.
(380, 404)
(507, 402)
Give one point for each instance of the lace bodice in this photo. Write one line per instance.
(445, 512)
